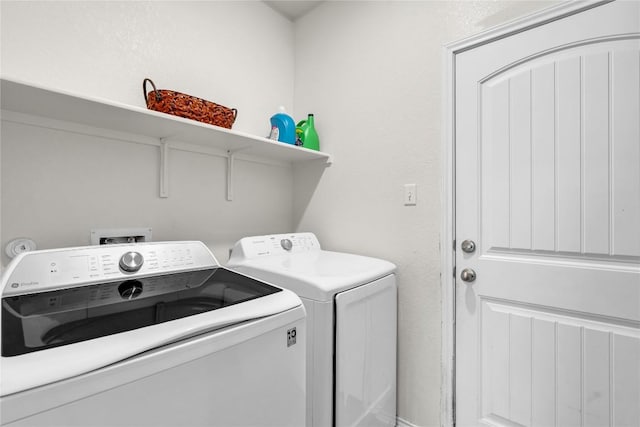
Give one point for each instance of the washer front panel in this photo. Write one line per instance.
(67, 312)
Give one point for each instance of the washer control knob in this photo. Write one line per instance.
(286, 244)
(131, 262)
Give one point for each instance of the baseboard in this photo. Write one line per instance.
(403, 423)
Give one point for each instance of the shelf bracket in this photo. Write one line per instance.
(230, 159)
(164, 168)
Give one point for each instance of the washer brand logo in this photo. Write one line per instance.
(291, 337)
(15, 285)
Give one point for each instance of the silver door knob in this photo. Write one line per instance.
(468, 275)
(468, 246)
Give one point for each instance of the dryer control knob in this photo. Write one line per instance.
(131, 262)
(286, 244)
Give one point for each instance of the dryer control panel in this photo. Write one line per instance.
(39, 271)
(273, 245)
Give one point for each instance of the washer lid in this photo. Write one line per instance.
(316, 275)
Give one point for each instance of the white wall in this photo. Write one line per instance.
(235, 53)
(372, 74)
(57, 186)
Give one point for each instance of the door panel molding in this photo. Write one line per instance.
(578, 319)
(565, 259)
(537, 346)
(527, 173)
(566, 47)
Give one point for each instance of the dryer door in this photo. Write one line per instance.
(366, 319)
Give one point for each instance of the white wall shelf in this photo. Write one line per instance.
(169, 131)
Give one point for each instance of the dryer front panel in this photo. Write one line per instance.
(365, 340)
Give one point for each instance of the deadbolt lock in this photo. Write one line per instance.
(468, 246)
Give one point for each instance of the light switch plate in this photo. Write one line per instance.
(410, 195)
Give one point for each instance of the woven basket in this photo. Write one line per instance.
(187, 106)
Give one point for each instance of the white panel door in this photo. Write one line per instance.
(548, 187)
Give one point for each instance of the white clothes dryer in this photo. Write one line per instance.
(351, 304)
(147, 334)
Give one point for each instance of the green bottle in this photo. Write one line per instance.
(308, 134)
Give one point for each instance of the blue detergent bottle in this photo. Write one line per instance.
(283, 128)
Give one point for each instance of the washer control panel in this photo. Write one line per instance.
(273, 245)
(38, 271)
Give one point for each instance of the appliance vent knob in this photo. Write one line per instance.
(131, 262)
(130, 289)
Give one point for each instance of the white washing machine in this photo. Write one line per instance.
(351, 304)
(149, 334)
